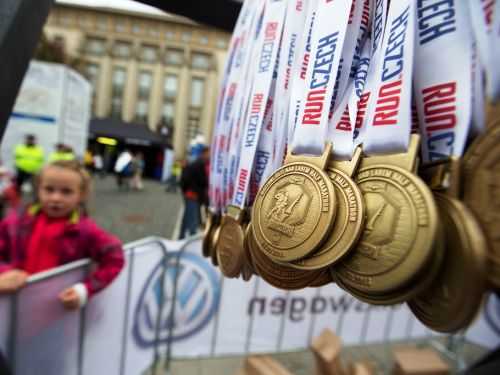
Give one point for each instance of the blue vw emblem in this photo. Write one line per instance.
(197, 299)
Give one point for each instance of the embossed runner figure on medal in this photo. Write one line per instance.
(295, 209)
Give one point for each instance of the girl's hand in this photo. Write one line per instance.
(12, 281)
(70, 299)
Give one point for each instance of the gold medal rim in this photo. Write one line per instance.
(418, 253)
(473, 250)
(327, 256)
(248, 269)
(315, 239)
(477, 156)
(215, 244)
(303, 279)
(235, 228)
(324, 279)
(415, 286)
(207, 232)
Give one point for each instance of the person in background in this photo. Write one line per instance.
(173, 180)
(9, 197)
(88, 160)
(138, 169)
(194, 186)
(62, 152)
(123, 169)
(56, 230)
(29, 159)
(98, 163)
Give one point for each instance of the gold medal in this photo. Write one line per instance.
(210, 225)
(215, 243)
(278, 275)
(324, 278)
(349, 220)
(401, 226)
(295, 208)
(248, 269)
(482, 192)
(230, 246)
(417, 285)
(454, 298)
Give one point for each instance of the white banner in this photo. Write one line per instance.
(213, 316)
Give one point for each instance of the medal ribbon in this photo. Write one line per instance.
(348, 51)
(264, 65)
(443, 87)
(378, 23)
(485, 18)
(242, 81)
(300, 68)
(389, 113)
(292, 32)
(218, 138)
(326, 45)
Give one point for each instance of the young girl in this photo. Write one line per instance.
(54, 231)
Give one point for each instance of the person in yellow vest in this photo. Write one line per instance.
(62, 152)
(29, 158)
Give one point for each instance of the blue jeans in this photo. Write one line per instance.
(191, 220)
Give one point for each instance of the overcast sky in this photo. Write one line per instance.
(119, 4)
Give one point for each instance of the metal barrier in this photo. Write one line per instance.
(122, 332)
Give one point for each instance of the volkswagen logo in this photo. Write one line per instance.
(196, 303)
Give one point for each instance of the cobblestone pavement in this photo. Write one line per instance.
(132, 215)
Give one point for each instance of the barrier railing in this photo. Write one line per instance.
(169, 302)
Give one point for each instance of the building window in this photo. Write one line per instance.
(200, 61)
(92, 74)
(149, 54)
(186, 36)
(120, 26)
(118, 88)
(102, 23)
(170, 88)
(153, 31)
(95, 46)
(204, 39)
(144, 89)
(84, 21)
(136, 29)
(174, 57)
(195, 107)
(169, 34)
(221, 43)
(65, 20)
(122, 49)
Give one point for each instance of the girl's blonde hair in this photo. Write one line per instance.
(75, 166)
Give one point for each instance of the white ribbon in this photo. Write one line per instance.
(326, 48)
(264, 65)
(289, 53)
(485, 18)
(443, 77)
(389, 113)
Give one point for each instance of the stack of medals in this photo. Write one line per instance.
(350, 147)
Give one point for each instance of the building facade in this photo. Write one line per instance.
(160, 70)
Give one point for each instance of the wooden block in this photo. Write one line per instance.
(413, 361)
(361, 368)
(326, 349)
(264, 365)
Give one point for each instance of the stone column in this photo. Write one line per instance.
(181, 113)
(156, 98)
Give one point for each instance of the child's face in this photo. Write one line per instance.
(59, 191)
